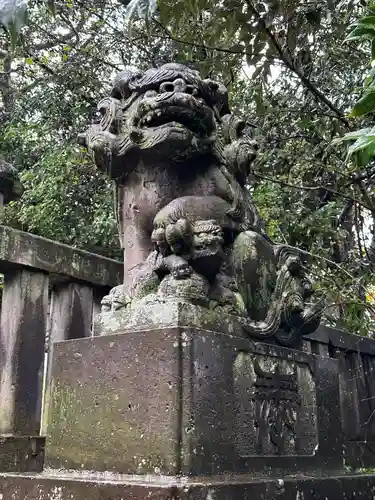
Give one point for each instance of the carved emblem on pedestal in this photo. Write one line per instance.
(275, 406)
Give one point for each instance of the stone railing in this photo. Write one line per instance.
(51, 292)
(355, 357)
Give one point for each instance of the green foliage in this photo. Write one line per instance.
(362, 142)
(289, 73)
(63, 200)
(52, 81)
(298, 163)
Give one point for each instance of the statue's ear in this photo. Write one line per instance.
(240, 149)
(236, 128)
(121, 85)
(218, 97)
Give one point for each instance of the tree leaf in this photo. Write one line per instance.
(366, 143)
(356, 134)
(370, 79)
(364, 106)
(245, 33)
(13, 35)
(51, 6)
(258, 43)
(255, 75)
(361, 32)
(367, 20)
(237, 48)
(372, 49)
(363, 156)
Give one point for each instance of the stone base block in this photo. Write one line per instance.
(192, 402)
(170, 314)
(81, 487)
(21, 454)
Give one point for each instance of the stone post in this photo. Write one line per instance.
(22, 332)
(23, 326)
(70, 318)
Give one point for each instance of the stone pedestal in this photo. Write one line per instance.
(182, 405)
(93, 487)
(193, 402)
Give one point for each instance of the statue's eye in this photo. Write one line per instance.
(166, 87)
(213, 86)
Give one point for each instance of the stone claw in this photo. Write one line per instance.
(182, 271)
(177, 266)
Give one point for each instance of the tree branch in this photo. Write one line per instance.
(290, 65)
(203, 46)
(312, 188)
(282, 55)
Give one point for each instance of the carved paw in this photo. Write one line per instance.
(178, 267)
(141, 281)
(192, 289)
(118, 298)
(224, 296)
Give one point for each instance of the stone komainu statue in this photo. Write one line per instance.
(188, 227)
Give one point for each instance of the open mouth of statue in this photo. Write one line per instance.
(177, 118)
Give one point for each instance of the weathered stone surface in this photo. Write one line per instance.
(22, 335)
(339, 339)
(81, 487)
(356, 365)
(71, 315)
(182, 401)
(281, 397)
(21, 454)
(169, 314)
(71, 311)
(23, 249)
(115, 404)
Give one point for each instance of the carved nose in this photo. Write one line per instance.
(178, 85)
